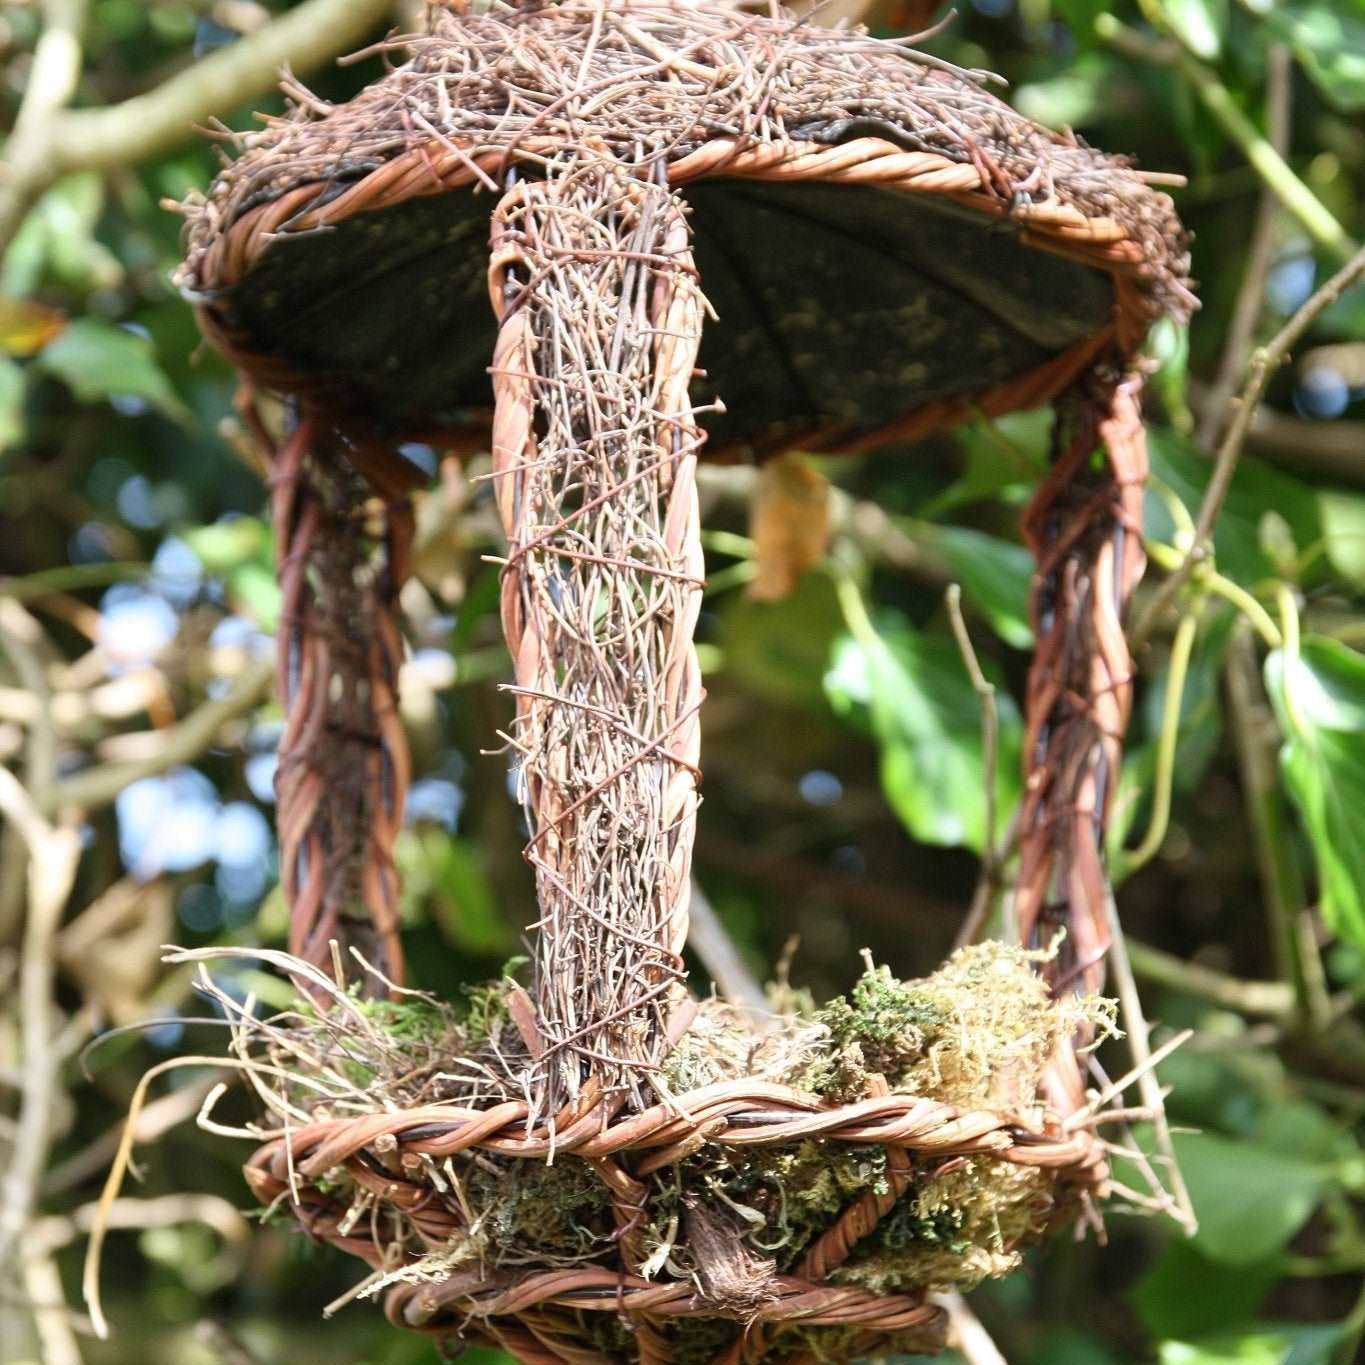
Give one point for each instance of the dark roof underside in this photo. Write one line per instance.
(841, 305)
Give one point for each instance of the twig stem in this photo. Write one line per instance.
(992, 857)
(1164, 780)
(1264, 362)
(1260, 254)
(52, 858)
(1271, 999)
(1139, 1043)
(1281, 877)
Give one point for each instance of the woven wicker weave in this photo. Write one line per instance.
(886, 250)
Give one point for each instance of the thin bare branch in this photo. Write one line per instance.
(51, 144)
(185, 742)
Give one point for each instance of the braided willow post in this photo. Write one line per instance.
(344, 770)
(594, 454)
(1085, 529)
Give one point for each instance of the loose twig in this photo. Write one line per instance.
(991, 856)
(1138, 1031)
(966, 1334)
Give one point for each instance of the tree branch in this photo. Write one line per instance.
(186, 741)
(53, 855)
(1273, 999)
(51, 143)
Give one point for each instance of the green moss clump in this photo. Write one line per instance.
(409, 1019)
(561, 1212)
(953, 1230)
(978, 1033)
(485, 1014)
(788, 1196)
(881, 1026)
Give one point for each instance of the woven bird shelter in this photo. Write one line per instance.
(703, 234)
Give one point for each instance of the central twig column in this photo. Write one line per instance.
(594, 455)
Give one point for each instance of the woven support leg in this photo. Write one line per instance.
(344, 771)
(594, 452)
(1085, 529)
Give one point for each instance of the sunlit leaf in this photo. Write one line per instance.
(1329, 41)
(995, 576)
(227, 545)
(914, 691)
(57, 242)
(27, 326)
(1343, 534)
(1319, 698)
(99, 361)
(1256, 489)
(1202, 24)
(1290, 1345)
(11, 404)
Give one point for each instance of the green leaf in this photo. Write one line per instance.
(918, 700)
(1329, 43)
(1202, 24)
(443, 872)
(98, 361)
(1319, 698)
(11, 404)
(229, 544)
(57, 242)
(1005, 459)
(780, 650)
(1256, 489)
(1185, 1294)
(1250, 1200)
(995, 576)
(1306, 1131)
(1289, 1345)
(1343, 534)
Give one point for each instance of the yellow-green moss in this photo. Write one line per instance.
(978, 1034)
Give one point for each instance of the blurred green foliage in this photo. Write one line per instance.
(845, 765)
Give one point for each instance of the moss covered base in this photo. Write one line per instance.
(730, 1222)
